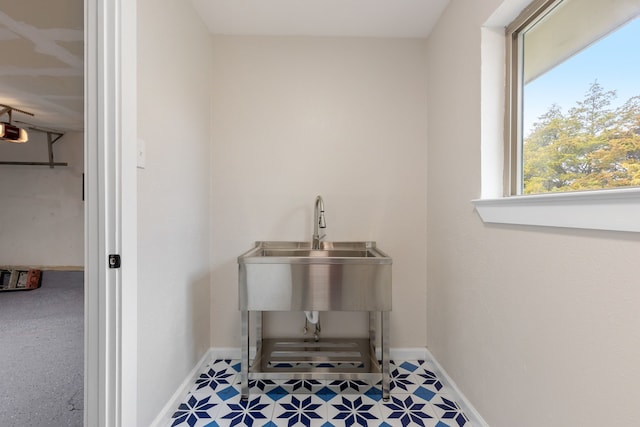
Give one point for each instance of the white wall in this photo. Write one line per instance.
(173, 199)
(296, 117)
(41, 209)
(537, 326)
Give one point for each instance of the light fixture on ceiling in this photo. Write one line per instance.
(12, 133)
(9, 132)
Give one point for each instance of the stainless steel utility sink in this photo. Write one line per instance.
(315, 276)
(337, 276)
(289, 276)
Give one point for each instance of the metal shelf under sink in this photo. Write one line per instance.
(329, 358)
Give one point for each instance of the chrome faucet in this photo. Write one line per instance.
(318, 222)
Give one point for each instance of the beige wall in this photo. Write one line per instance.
(537, 326)
(173, 199)
(341, 117)
(41, 209)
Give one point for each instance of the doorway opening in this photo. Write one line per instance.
(42, 215)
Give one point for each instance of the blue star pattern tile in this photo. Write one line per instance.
(304, 410)
(430, 379)
(193, 412)
(418, 398)
(450, 412)
(350, 410)
(401, 382)
(407, 410)
(215, 379)
(249, 413)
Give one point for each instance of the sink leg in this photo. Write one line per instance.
(384, 344)
(258, 329)
(372, 329)
(244, 363)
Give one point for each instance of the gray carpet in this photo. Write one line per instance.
(42, 353)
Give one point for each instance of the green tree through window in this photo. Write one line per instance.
(592, 146)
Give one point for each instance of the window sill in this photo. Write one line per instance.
(614, 210)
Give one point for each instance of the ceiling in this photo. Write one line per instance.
(42, 61)
(354, 18)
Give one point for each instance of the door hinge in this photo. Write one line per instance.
(114, 261)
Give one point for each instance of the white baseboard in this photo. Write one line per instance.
(466, 406)
(405, 353)
(410, 353)
(176, 399)
(229, 352)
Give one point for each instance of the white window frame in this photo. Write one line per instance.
(612, 209)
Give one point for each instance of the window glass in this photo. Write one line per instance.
(579, 99)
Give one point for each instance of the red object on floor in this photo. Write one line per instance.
(34, 279)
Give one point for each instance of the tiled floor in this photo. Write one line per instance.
(418, 398)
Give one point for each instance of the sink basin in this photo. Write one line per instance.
(336, 252)
(342, 276)
(310, 253)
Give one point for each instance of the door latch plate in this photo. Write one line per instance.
(114, 261)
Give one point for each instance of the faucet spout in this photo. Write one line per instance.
(318, 222)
